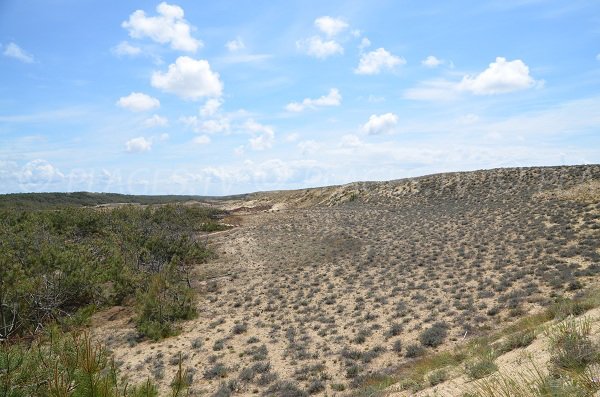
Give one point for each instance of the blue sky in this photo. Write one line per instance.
(198, 97)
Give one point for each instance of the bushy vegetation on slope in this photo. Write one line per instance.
(55, 265)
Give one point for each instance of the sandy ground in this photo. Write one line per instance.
(318, 287)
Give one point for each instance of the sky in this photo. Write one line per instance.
(217, 98)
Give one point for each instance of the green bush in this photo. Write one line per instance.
(55, 263)
(166, 300)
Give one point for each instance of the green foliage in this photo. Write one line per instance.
(165, 300)
(63, 365)
(55, 263)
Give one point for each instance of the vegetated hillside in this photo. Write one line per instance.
(325, 290)
(316, 291)
(37, 201)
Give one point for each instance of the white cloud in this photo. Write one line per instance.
(14, 51)
(164, 136)
(433, 90)
(168, 27)
(308, 147)
(220, 125)
(212, 126)
(316, 47)
(124, 48)
(251, 175)
(156, 121)
(264, 135)
(431, 62)
(330, 26)
(138, 102)
(352, 141)
(500, 77)
(39, 172)
(375, 61)
(138, 145)
(235, 45)
(211, 107)
(364, 43)
(333, 98)
(201, 140)
(375, 99)
(189, 79)
(380, 124)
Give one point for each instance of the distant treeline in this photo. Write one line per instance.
(61, 200)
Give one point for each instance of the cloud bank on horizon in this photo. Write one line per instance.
(236, 97)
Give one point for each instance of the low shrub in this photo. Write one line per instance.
(434, 336)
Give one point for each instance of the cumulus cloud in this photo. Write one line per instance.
(211, 107)
(500, 77)
(331, 26)
(235, 45)
(189, 79)
(126, 49)
(333, 98)
(138, 145)
(201, 140)
(375, 61)
(318, 48)
(264, 135)
(138, 102)
(12, 50)
(168, 27)
(156, 121)
(39, 172)
(431, 62)
(380, 124)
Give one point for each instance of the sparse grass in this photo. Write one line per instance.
(478, 357)
(571, 347)
(481, 366)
